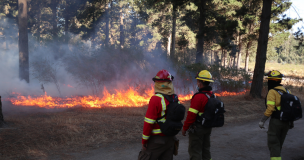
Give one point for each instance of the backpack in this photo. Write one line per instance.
(214, 112)
(291, 109)
(174, 116)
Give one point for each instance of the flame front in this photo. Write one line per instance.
(128, 98)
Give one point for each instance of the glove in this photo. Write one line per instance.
(263, 120)
(291, 125)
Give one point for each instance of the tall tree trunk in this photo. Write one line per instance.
(225, 56)
(247, 57)
(23, 41)
(1, 115)
(257, 82)
(168, 45)
(66, 27)
(222, 58)
(234, 59)
(53, 7)
(239, 59)
(200, 34)
(122, 36)
(172, 54)
(107, 30)
(211, 58)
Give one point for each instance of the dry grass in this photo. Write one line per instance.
(295, 70)
(39, 135)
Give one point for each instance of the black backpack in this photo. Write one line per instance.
(291, 109)
(214, 112)
(174, 116)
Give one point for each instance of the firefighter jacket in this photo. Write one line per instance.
(273, 100)
(197, 106)
(156, 109)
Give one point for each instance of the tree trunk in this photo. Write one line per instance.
(172, 53)
(222, 58)
(200, 34)
(168, 45)
(53, 7)
(211, 62)
(239, 59)
(107, 30)
(122, 36)
(23, 41)
(257, 82)
(225, 56)
(1, 115)
(247, 58)
(234, 59)
(66, 27)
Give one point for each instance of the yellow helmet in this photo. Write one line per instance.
(274, 75)
(204, 75)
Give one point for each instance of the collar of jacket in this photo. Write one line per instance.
(208, 88)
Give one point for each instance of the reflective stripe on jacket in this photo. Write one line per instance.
(156, 109)
(273, 100)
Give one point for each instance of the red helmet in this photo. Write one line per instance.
(163, 75)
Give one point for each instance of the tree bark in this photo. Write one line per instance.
(53, 7)
(247, 57)
(172, 53)
(200, 34)
(66, 27)
(168, 45)
(257, 82)
(122, 36)
(107, 31)
(1, 115)
(239, 53)
(23, 41)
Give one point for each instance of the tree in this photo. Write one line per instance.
(2, 122)
(257, 82)
(23, 41)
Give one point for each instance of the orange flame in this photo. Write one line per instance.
(128, 98)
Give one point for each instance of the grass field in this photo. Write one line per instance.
(286, 69)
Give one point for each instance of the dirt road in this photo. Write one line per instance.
(231, 142)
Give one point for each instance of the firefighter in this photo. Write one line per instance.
(278, 129)
(199, 136)
(156, 145)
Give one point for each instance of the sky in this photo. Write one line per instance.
(297, 7)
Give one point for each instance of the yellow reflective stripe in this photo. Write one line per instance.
(193, 110)
(178, 102)
(163, 107)
(148, 120)
(155, 131)
(279, 108)
(271, 102)
(145, 137)
(200, 113)
(275, 158)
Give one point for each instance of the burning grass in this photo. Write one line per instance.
(41, 135)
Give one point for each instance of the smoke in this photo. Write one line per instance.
(78, 68)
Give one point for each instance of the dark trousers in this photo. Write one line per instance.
(276, 134)
(199, 143)
(161, 147)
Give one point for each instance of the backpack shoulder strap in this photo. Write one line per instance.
(170, 98)
(281, 92)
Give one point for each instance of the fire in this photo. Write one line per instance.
(121, 98)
